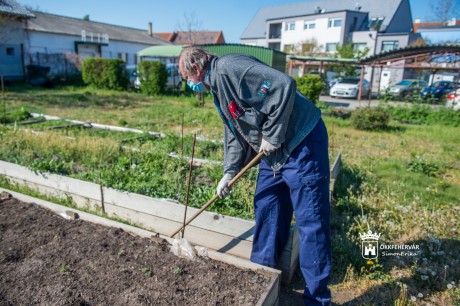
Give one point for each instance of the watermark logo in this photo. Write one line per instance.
(370, 245)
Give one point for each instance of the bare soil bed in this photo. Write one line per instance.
(48, 260)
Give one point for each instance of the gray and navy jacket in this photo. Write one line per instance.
(256, 101)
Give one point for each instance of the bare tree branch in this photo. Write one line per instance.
(190, 25)
(443, 10)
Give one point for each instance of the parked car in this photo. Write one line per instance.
(349, 88)
(133, 79)
(406, 87)
(174, 77)
(453, 100)
(437, 90)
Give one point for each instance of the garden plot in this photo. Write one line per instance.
(46, 259)
(98, 156)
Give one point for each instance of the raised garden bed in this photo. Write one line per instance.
(46, 259)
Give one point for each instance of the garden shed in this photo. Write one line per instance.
(271, 57)
(169, 54)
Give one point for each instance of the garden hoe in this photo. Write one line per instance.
(253, 162)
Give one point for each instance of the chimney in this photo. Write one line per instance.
(150, 29)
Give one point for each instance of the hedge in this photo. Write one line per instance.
(310, 86)
(105, 73)
(153, 77)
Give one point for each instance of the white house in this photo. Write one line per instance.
(12, 16)
(56, 41)
(62, 43)
(380, 25)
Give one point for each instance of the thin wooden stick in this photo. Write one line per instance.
(3, 98)
(188, 184)
(253, 162)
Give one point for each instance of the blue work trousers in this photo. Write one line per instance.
(301, 186)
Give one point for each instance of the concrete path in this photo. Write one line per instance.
(351, 104)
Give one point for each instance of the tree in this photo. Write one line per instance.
(420, 42)
(348, 52)
(307, 47)
(190, 26)
(86, 17)
(443, 10)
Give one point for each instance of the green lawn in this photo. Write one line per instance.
(403, 182)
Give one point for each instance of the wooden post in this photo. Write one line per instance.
(360, 85)
(3, 100)
(188, 185)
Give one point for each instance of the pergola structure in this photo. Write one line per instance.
(431, 57)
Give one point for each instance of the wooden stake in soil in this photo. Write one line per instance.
(182, 137)
(188, 184)
(252, 163)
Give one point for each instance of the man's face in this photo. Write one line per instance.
(195, 76)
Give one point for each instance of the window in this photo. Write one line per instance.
(123, 56)
(309, 25)
(289, 26)
(389, 45)
(275, 46)
(10, 51)
(331, 47)
(375, 23)
(288, 48)
(359, 46)
(335, 23)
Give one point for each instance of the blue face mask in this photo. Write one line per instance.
(196, 87)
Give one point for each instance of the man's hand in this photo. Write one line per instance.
(222, 188)
(267, 147)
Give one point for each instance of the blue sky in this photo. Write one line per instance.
(231, 17)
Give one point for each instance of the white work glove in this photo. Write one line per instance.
(222, 188)
(267, 147)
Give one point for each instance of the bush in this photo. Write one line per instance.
(16, 115)
(105, 73)
(370, 118)
(153, 77)
(423, 114)
(310, 86)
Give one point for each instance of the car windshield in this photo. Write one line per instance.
(440, 84)
(404, 83)
(349, 81)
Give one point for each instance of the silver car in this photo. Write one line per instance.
(349, 88)
(406, 88)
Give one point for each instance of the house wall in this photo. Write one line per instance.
(322, 33)
(39, 44)
(401, 39)
(262, 42)
(11, 39)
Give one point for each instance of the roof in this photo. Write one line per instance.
(375, 8)
(194, 38)
(161, 51)
(56, 24)
(411, 51)
(434, 25)
(322, 59)
(11, 7)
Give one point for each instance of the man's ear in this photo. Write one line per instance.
(196, 70)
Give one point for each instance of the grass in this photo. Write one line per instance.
(403, 182)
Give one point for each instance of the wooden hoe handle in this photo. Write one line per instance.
(254, 161)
